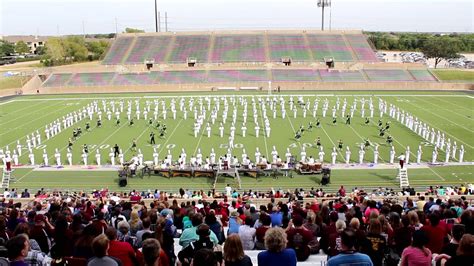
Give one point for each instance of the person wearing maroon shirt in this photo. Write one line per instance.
(342, 191)
(135, 198)
(41, 232)
(299, 238)
(120, 250)
(260, 233)
(435, 233)
(330, 230)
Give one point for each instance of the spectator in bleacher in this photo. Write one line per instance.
(82, 247)
(18, 247)
(435, 232)
(457, 231)
(349, 255)
(417, 253)
(334, 239)
(299, 238)
(23, 228)
(63, 237)
(189, 235)
(311, 226)
(277, 217)
(465, 252)
(135, 223)
(165, 236)
(99, 223)
(100, 246)
(13, 220)
(4, 233)
(204, 242)
(260, 232)
(215, 226)
(414, 220)
(151, 252)
(123, 233)
(247, 234)
(276, 253)
(146, 228)
(41, 232)
(205, 257)
(123, 251)
(376, 244)
(234, 253)
(234, 223)
(330, 230)
(402, 235)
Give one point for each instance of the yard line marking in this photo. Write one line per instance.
(202, 134)
(168, 139)
(264, 131)
(29, 106)
(333, 143)
(7, 102)
(472, 131)
(46, 140)
(291, 124)
(29, 114)
(139, 136)
(444, 118)
(415, 156)
(31, 171)
(47, 114)
(431, 125)
(470, 110)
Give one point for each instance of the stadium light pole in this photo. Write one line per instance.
(323, 4)
(156, 18)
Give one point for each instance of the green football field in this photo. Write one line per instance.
(449, 112)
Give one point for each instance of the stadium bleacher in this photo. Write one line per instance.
(361, 47)
(422, 75)
(57, 80)
(216, 76)
(388, 75)
(326, 46)
(117, 52)
(182, 77)
(341, 76)
(135, 79)
(238, 48)
(189, 46)
(148, 47)
(91, 79)
(294, 75)
(290, 45)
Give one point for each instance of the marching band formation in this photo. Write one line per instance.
(224, 111)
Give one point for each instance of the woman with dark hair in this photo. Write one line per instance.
(234, 252)
(417, 253)
(62, 237)
(82, 247)
(376, 244)
(403, 235)
(465, 252)
(164, 235)
(13, 220)
(215, 226)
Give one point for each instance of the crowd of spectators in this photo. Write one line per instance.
(108, 229)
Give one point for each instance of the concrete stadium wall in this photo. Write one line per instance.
(284, 86)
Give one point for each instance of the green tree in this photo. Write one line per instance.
(132, 30)
(97, 49)
(40, 50)
(55, 50)
(75, 49)
(6, 48)
(22, 48)
(441, 48)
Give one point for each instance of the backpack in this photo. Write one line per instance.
(301, 249)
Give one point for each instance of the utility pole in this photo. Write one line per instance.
(166, 21)
(116, 28)
(83, 29)
(323, 4)
(159, 22)
(156, 18)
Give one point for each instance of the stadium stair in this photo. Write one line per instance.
(403, 177)
(6, 178)
(410, 74)
(306, 43)
(348, 44)
(212, 44)
(129, 50)
(170, 49)
(267, 48)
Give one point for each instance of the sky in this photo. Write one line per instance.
(60, 17)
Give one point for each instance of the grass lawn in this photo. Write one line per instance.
(454, 75)
(451, 113)
(12, 82)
